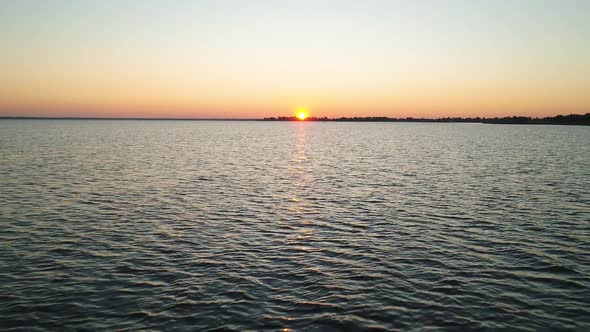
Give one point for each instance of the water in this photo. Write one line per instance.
(196, 225)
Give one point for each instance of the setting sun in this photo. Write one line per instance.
(302, 114)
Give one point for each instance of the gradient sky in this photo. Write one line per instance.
(246, 59)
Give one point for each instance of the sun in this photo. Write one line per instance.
(302, 113)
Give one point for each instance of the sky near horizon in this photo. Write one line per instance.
(250, 59)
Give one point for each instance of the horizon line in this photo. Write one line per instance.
(311, 118)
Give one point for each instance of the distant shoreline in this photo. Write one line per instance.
(572, 119)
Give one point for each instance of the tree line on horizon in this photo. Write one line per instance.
(571, 119)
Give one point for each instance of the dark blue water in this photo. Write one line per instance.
(195, 225)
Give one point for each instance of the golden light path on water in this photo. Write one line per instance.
(302, 175)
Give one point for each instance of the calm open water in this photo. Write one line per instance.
(197, 225)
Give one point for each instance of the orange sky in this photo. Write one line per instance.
(223, 59)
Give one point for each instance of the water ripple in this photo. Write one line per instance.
(217, 226)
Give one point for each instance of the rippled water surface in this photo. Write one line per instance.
(197, 225)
